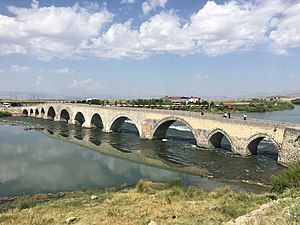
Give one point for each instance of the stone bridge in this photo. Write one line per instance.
(208, 130)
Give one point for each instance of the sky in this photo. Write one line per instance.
(150, 48)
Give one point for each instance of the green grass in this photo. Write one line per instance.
(287, 178)
(165, 203)
(5, 114)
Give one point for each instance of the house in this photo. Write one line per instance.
(228, 105)
(182, 99)
(194, 99)
(175, 98)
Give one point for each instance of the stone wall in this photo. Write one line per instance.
(290, 151)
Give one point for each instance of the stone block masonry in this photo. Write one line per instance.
(208, 130)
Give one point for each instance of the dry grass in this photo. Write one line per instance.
(165, 204)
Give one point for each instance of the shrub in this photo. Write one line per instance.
(287, 178)
(231, 208)
(149, 187)
(5, 114)
(175, 183)
(221, 192)
(25, 203)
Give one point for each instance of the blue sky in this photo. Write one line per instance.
(150, 48)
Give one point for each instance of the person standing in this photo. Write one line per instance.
(245, 116)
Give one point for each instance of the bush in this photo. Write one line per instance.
(175, 183)
(5, 114)
(287, 178)
(149, 187)
(231, 208)
(25, 203)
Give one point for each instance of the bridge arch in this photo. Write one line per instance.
(31, 112)
(79, 118)
(215, 138)
(42, 112)
(254, 141)
(51, 113)
(37, 112)
(160, 130)
(97, 121)
(25, 112)
(64, 115)
(118, 121)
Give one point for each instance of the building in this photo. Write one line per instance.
(194, 99)
(182, 99)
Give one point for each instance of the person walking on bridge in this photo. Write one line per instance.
(245, 116)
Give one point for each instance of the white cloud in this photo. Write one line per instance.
(88, 84)
(39, 81)
(152, 5)
(64, 70)
(161, 33)
(127, 1)
(287, 29)
(50, 32)
(34, 4)
(220, 29)
(216, 29)
(19, 69)
(201, 76)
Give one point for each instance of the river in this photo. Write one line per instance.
(63, 157)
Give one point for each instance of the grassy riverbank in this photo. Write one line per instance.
(233, 106)
(296, 101)
(164, 203)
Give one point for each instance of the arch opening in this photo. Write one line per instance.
(124, 124)
(162, 129)
(126, 136)
(31, 112)
(37, 112)
(220, 140)
(79, 118)
(42, 111)
(25, 112)
(263, 146)
(51, 113)
(96, 121)
(175, 129)
(64, 115)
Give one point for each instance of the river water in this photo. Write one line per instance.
(62, 157)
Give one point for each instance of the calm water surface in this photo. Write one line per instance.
(291, 116)
(67, 157)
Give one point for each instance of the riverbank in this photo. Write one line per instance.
(152, 203)
(233, 106)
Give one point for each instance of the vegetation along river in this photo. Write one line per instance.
(62, 157)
